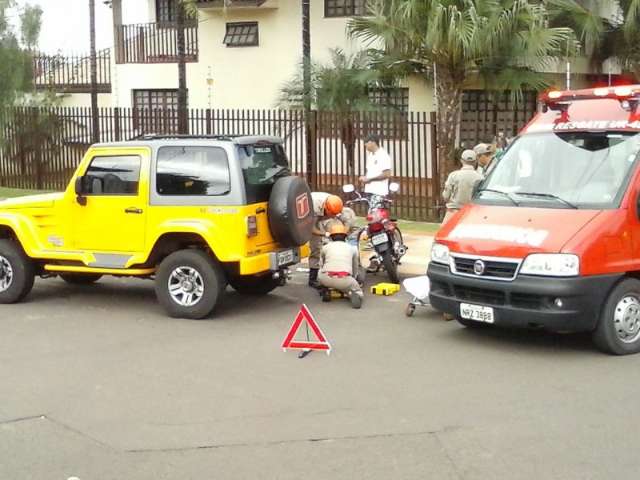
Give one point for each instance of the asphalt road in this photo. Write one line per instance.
(98, 384)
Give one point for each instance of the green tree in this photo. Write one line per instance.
(15, 59)
(605, 28)
(340, 88)
(457, 42)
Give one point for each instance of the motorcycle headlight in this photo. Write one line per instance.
(551, 264)
(440, 253)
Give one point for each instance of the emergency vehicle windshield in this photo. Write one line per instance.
(586, 170)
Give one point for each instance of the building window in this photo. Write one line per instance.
(165, 11)
(116, 175)
(344, 8)
(395, 99)
(243, 34)
(155, 111)
(192, 171)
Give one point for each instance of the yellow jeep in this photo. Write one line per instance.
(193, 213)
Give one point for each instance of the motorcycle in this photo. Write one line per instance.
(381, 233)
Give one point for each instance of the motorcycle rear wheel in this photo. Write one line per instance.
(390, 266)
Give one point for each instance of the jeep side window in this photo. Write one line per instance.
(113, 175)
(192, 171)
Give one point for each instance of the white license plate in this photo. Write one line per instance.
(286, 257)
(476, 312)
(379, 239)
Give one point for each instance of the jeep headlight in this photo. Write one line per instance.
(551, 264)
(440, 253)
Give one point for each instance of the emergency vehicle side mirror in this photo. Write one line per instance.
(348, 188)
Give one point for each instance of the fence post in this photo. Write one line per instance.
(311, 137)
(116, 123)
(435, 164)
(208, 121)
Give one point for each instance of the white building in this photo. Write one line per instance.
(238, 56)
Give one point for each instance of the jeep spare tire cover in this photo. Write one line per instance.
(290, 212)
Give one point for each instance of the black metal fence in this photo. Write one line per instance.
(41, 148)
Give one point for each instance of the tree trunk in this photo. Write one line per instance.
(116, 6)
(183, 122)
(349, 143)
(306, 80)
(95, 127)
(449, 92)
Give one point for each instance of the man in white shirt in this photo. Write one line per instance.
(378, 168)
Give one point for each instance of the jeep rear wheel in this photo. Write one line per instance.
(16, 273)
(80, 278)
(189, 284)
(254, 285)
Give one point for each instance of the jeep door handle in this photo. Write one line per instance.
(133, 210)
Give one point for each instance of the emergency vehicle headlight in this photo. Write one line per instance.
(440, 253)
(551, 264)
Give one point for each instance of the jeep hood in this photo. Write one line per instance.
(512, 232)
(32, 201)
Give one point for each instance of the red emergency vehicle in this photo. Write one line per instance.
(552, 237)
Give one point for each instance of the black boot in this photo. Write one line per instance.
(313, 278)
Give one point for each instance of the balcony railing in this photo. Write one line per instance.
(237, 3)
(71, 73)
(155, 42)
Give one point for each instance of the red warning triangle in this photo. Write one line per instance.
(304, 315)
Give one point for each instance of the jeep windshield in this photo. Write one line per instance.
(262, 165)
(587, 170)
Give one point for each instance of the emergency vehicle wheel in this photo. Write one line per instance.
(618, 331)
(189, 284)
(16, 273)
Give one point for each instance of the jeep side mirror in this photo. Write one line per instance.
(394, 187)
(348, 188)
(81, 191)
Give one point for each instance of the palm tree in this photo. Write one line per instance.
(455, 42)
(339, 90)
(183, 114)
(605, 28)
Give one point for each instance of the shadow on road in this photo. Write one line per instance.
(527, 341)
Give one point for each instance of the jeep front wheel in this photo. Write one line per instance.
(16, 273)
(189, 284)
(254, 285)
